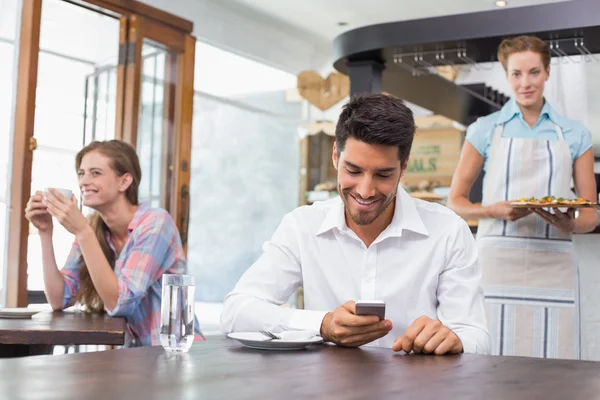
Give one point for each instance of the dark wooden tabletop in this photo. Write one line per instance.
(222, 369)
(63, 328)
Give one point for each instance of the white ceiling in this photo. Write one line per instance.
(321, 17)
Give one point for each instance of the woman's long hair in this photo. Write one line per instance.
(123, 160)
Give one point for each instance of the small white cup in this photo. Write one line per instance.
(65, 192)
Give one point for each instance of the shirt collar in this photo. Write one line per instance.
(548, 110)
(406, 217)
(335, 217)
(137, 216)
(133, 224)
(508, 111)
(511, 109)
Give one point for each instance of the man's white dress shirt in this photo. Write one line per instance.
(423, 263)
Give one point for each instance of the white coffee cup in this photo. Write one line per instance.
(65, 192)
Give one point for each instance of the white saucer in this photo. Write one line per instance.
(17, 313)
(291, 340)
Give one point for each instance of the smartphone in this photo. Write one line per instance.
(371, 307)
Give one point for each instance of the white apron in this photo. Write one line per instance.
(530, 276)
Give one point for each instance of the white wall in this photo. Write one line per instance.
(592, 89)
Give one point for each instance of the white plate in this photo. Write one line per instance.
(17, 313)
(291, 340)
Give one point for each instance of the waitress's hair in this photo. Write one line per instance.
(123, 160)
(520, 44)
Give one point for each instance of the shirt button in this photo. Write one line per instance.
(368, 280)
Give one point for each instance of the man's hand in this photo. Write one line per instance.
(428, 336)
(344, 328)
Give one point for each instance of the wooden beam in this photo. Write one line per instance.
(121, 71)
(304, 167)
(174, 40)
(479, 32)
(365, 76)
(168, 195)
(129, 7)
(23, 143)
(184, 111)
(133, 72)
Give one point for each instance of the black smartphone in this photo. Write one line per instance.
(371, 307)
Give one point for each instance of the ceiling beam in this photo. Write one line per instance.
(564, 19)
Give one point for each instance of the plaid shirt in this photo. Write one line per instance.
(153, 248)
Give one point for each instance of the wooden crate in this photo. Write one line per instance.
(435, 151)
(315, 163)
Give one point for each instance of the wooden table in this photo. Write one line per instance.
(19, 337)
(222, 369)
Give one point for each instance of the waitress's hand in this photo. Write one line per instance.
(503, 210)
(37, 213)
(565, 222)
(66, 211)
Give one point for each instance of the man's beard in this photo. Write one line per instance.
(365, 217)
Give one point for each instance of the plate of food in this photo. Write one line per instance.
(553, 202)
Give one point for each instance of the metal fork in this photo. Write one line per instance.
(269, 334)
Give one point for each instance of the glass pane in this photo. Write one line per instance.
(239, 196)
(152, 128)
(244, 170)
(9, 16)
(9, 20)
(232, 76)
(75, 103)
(100, 104)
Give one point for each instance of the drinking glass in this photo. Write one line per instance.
(177, 313)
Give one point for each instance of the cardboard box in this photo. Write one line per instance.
(435, 151)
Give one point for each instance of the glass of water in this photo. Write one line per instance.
(177, 312)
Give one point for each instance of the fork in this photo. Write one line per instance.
(269, 334)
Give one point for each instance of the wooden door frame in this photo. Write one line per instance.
(133, 80)
(132, 7)
(181, 53)
(184, 111)
(121, 75)
(23, 144)
(161, 26)
(141, 28)
(174, 33)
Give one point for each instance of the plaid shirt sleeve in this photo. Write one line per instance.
(70, 273)
(148, 257)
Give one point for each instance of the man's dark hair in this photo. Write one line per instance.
(376, 119)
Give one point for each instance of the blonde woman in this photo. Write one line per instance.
(120, 253)
(527, 149)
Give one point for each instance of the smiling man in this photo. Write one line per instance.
(373, 242)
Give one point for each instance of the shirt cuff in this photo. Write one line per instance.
(115, 311)
(125, 304)
(475, 342)
(307, 320)
(68, 298)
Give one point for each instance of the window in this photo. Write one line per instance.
(75, 103)
(245, 161)
(9, 18)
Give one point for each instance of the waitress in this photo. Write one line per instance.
(530, 274)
